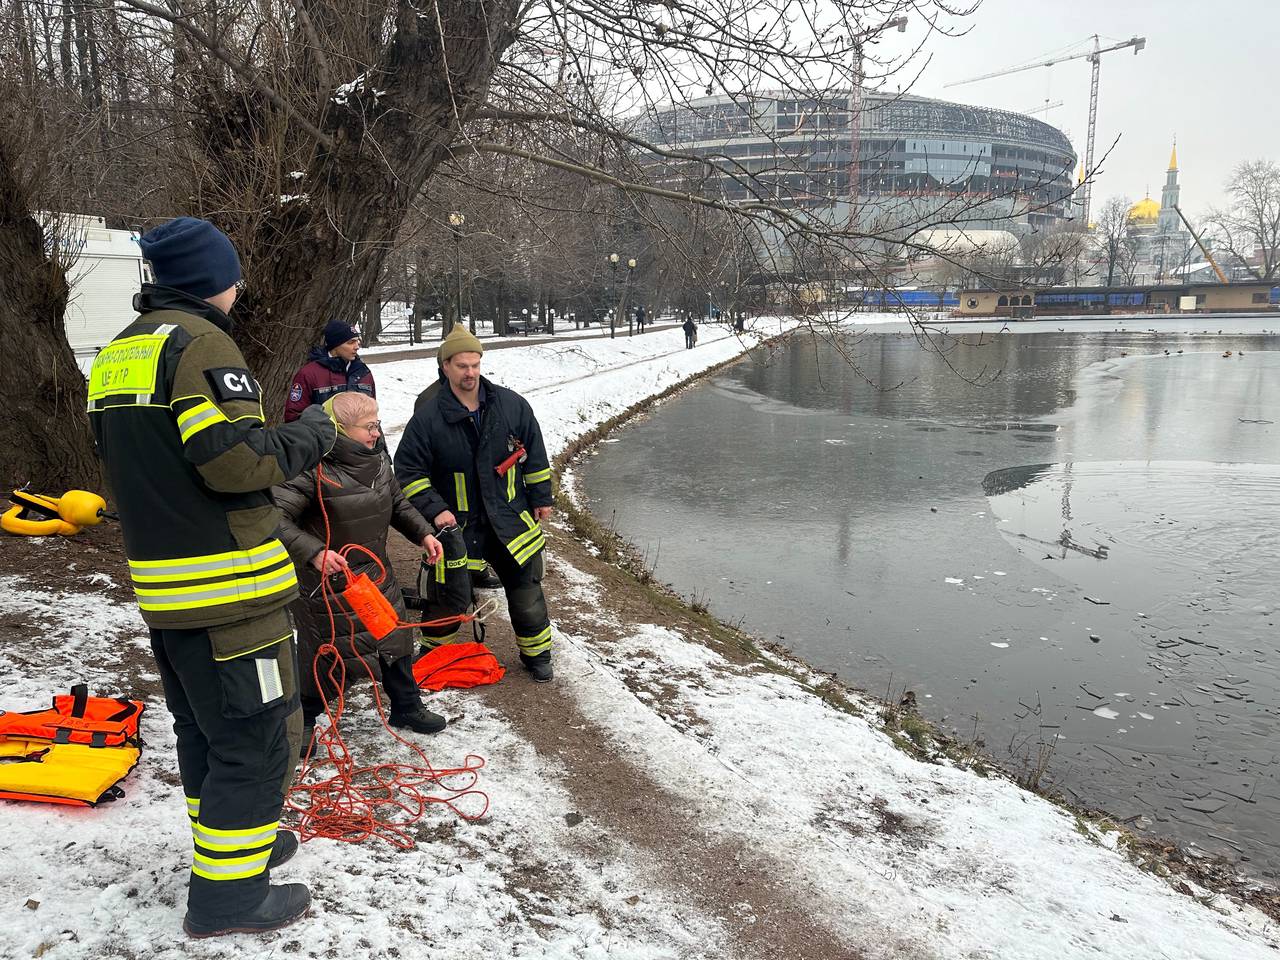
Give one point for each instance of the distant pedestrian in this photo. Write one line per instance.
(331, 369)
(690, 333)
(640, 319)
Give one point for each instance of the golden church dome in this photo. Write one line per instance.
(1145, 210)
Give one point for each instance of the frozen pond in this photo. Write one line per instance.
(1084, 552)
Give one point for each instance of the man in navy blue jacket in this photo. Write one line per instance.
(447, 464)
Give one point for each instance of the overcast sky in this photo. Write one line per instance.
(1208, 75)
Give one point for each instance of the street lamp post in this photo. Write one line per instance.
(456, 220)
(613, 316)
(708, 306)
(626, 291)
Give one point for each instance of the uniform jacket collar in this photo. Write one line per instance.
(356, 368)
(155, 297)
(452, 409)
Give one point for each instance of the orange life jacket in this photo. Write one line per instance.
(457, 665)
(76, 752)
(76, 717)
(66, 773)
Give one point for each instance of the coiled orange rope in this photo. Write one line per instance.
(384, 800)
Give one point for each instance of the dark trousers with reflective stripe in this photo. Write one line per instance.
(236, 757)
(525, 600)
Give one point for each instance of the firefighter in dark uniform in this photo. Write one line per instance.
(178, 423)
(446, 464)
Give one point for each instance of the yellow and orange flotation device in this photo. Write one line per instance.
(76, 752)
(37, 515)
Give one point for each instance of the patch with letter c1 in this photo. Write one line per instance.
(233, 383)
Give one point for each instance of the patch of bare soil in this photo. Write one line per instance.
(69, 563)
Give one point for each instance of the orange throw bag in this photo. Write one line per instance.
(457, 665)
(368, 603)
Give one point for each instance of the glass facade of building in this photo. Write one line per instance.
(994, 165)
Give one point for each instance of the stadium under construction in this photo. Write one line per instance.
(920, 162)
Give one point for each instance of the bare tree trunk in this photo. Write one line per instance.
(96, 98)
(25, 45)
(64, 44)
(82, 51)
(309, 268)
(46, 32)
(118, 53)
(372, 320)
(421, 290)
(44, 439)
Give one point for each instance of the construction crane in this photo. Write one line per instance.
(855, 108)
(1043, 108)
(1200, 243)
(1094, 57)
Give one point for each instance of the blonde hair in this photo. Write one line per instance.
(353, 408)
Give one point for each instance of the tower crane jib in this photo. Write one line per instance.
(1094, 57)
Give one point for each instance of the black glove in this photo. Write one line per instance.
(316, 417)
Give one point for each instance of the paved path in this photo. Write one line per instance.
(429, 349)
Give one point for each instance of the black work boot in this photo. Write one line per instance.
(285, 847)
(485, 579)
(283, 904)
(418, 719)
(539, 667)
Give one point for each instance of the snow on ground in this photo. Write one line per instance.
(431, 334)
(565, 331)
(901, 858)
(111, 882)
(575, 386)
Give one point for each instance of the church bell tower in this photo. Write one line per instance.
(1169, 221)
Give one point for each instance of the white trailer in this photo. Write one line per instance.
(107, 272)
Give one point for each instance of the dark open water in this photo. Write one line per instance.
(800, 499)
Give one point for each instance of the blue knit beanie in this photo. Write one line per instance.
(191, 255)
(336, 333)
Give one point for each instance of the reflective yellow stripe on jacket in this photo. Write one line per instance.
(417, 486)
(189, 583)
(528, 543)
(538, 476)
(203, 415)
